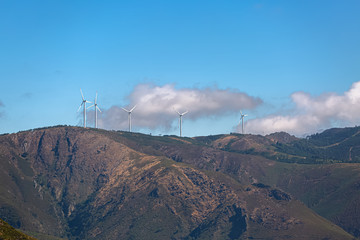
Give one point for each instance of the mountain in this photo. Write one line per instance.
(81, 183)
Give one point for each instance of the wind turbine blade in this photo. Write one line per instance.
(125, 109)
(87, 101)
(98, 108)
(133, 108)
(184, 113)
(80, 106)
(95, 97)
(82, 95)
(177, 111)
(91, 106)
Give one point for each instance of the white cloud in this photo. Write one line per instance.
(312, 114)
(156, 104)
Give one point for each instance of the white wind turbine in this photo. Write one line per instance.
(129, 116)
(95, 105)
(84, 101)
(180, 120)
(242, 121)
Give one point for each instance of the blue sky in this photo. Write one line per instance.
(264, 52)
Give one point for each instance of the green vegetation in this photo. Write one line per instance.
(7, 232)
(331, 146)
(333, 136)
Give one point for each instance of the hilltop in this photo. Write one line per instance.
(81, 183)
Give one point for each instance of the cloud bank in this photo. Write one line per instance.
(156, 104)
(313, 113)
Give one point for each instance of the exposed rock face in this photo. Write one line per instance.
(94, 184)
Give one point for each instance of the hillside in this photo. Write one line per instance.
(96, 184)
(9, 233)
(326, 176)
(333, 145)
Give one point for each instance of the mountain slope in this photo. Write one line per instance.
(320, 180)
(95, 184)
(329, 189)
(9, 233)
(333, 145)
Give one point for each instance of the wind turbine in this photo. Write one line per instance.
(242, 121)
(84, 106)
(180, 120)
(129, 117)
(95, 105)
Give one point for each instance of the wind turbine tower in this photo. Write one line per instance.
(129, 116)
(242, 121)
(84, 101)
(180, 120)
(95, 105)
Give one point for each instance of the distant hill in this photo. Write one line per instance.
(333, 145)
(81, 183)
